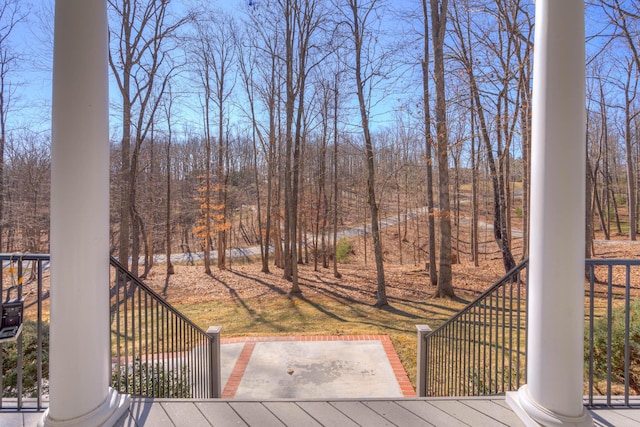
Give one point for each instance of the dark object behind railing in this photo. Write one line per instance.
(157, 351)
(483, 349)
(25, 369)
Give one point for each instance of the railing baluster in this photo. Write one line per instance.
(511, 284)
(503, 333)
(19, 343)
(591, 324)
(2, 261)
(39, 337)
(627, 328)
(467, 356)
(147, 350)
(609, 328)
(125, 297)
(526, 327)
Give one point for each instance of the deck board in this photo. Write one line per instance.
(184, 415)
(362, 413)
(467, 414)
(616, 417)
(256, 414)
(496, 411)
(327, 414)
(147, 412)
(12, 420)
(432, 413)
(291, 415)
(400, 415)
(220, 414)
(440, 412)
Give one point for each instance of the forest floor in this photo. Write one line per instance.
(247, 302)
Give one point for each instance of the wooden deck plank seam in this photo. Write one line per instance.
(351, 418)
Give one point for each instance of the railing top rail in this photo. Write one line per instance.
(24, 257)
(115, 263)
(482, 296)
(612, 261)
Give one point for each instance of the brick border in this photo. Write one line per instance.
(232, 385)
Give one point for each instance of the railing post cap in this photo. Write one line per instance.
(424, 328)
(214, 330)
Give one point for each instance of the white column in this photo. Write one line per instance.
(554, 390)
(79, 342)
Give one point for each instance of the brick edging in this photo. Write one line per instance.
(398, 369)
(233, 383)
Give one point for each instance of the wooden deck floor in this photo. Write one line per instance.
(477, 412)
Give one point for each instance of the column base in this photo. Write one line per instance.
(105, 415)
(534, 415)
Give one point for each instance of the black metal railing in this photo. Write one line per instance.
(482, 349)
(612, 332)
(157, 351)
(25, 367)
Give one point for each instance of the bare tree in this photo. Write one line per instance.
(248, 63)
(336, 94)
(216, 53)
(140, 61)
(464, 54)
(630, 94)
(426, 101)
(363, 41)
(625, 17)
(438, 27)
(167, 111)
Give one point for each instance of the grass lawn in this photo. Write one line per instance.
(324, 315)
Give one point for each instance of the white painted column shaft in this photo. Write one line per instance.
(79, 336)
(554, 390)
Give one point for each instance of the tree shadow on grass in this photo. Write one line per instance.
(234, 294)
(256, 280)
(318, 307)
(398, 312)
(378, 325)
(455, 298)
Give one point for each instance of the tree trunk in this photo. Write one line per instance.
(336, 274)
(358, 34)
(426, 101)
(222, 189)
(628, 143)
(474, 192)
(438, 28)
(207, 193)
(170, 269)
(588, 213)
